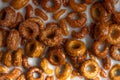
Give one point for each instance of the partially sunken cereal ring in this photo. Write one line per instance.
(114, 34)
(55, 7)
(51, 35)
(113, 72)
(56, 56)
(75, 47)
(34, 49)
(90, 69)
(75, 23)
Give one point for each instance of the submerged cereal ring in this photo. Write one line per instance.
(94, 69)
(51, 35)
(56, 5)
(75, 47)
(75, 23)
(112, 72)
(7, 17)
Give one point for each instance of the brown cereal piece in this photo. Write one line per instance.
(56, 5)
(29, 11)
(13, 40)
(103, 73)
(64, 27)
(89, 1)
(56, 15)
(21, 77)
(18, 4)
(76, 6)
(116, 17)
(32, 70)
(29, 29)
(25, 63)
(81, 34)
(106, 62)
(7, 59)
(51, 35)
(113, 52)
(7, 17)
(5, 77)
(17, 57)
(41, 14)
(34, 49)
(3, 69)
(76, 23)
(49, 78)
(56, 56)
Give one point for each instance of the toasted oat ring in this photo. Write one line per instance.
(75, 47)
(77, 7)
(114, 34)
(113, 52)
(112, 72)
(7, 17)
(51, 35)
(98, 52)
(55, 7)
(34, 49)
(56, 56)
(94, 69)
(29, 29)
(33, 70)
(98, 12)
(75, 23)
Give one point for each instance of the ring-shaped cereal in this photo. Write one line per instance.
(29, 29)
(100, 52)
(75, 23)
(114, 34)
(34, 70)
(56, 56)
(65, 74)
(98, 12)
(7, 17)
(113, 75)
(75, 47)
(51, 35)
(93, 70)
(34, 49)
(76, 6)
(113, 52)
(55, 7)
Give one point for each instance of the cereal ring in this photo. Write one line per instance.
(25, 63)
(81, 34)
(44, 66)
(65, 73)
(75, 47)
(100, 52)
(63, 27)
(7, 59)
(29, 29)
(41, 14)
(7, 16)
(113, 72)
(13, 40)
(75, 23)
(34, 49)
(17, 4)
(56, 56)
(98, 12)
(49, 78)
(34, 70)
(77, 7)
(17, 57)
(21, 77)
(113, 52)
(51, 35)
(106, 62)
(56, 5)
(59, 13)
(114, 34)
(93, 70)
(116, 17)
(109, 6)
(3, 69)
(29, 11)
